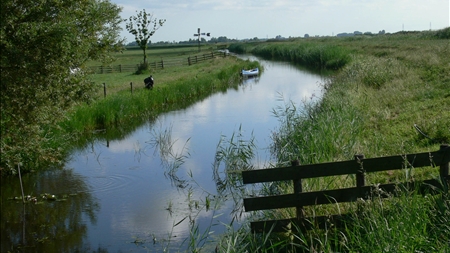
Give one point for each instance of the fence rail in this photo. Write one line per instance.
(359, 167)
(157, 64)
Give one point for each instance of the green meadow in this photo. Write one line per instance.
(388, 95)
(128, 104)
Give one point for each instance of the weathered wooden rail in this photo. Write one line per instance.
(157, 64)
(359, 167)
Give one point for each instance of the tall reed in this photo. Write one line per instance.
(311, 55)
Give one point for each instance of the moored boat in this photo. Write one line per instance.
(251, 72)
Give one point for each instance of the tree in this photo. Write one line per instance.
(142, 29)
(42, 43)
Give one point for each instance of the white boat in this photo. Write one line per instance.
(251, 72)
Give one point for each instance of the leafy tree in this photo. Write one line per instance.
(44, 46)
(143, 26)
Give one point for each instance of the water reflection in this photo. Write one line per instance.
(56, 225)
(149, 187)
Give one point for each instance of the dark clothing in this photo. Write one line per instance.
(149, 82)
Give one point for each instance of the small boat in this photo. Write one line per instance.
(251, 72)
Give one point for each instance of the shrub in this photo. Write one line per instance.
(142, 68)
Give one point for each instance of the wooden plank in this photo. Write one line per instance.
(431, 186)
(300, 172)
(275, 226)
(293, 224)
(398, 162)
(337, 195)
(305, 199)
(344, 167)
(270, 202)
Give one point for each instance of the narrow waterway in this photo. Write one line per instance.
(156, 187)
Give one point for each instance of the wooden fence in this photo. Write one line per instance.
(157, 64)
(359, 167)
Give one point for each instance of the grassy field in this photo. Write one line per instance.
(132, 56)
(384, 89)
(175, 88)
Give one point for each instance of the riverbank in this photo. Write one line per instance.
(390, 83)
(145, 170)
(174, 89)
(120, 110)
(392, 96)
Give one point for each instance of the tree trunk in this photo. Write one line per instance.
(145, 55)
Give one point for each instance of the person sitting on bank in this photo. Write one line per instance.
(149, 82)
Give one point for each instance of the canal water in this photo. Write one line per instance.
(154, 190)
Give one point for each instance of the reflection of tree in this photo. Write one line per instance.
(47, 226)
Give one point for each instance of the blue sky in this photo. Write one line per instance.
(267, 19)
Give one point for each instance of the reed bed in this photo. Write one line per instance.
(385, 89)
(309, 54)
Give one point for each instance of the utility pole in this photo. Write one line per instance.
(198, 34)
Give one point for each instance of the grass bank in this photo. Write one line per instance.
(123, 109)
(391, 97)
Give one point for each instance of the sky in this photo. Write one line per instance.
(244, 19)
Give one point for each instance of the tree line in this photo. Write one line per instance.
(220, 39)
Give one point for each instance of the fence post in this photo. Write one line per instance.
(360, 179)
(21, 185)
(297, 190)
(196, 61)
(131, 84)
(189, 61)
(162, 63)
(101, 69)
(104, 90)
(212, 54)
(120, 68)
(444, 167)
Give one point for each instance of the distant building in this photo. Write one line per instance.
(345, 35)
